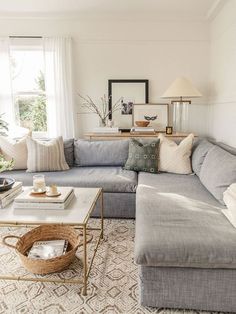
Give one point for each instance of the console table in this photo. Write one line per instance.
(127, 135)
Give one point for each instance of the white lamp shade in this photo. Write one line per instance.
(181, 87)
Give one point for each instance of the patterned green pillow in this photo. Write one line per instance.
(143, 157)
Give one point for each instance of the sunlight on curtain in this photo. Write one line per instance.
(59, 88)
(6, 99)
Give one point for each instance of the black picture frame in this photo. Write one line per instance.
(111, 82)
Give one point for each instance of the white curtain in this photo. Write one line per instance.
(6, 97)
(59, 87)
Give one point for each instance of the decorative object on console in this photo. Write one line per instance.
(173, 157)
(169, 130)
(129, 92)
(142, 131)
(142, 124)
(156, 114)
(46, 156)
(110, 123)
(106, 130)
(179, 89)
(104, 111)
(143, 157)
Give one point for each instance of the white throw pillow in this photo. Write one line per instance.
(46, 156)
(173, 157)
(17, 150)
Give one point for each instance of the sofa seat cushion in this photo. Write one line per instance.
(180, 224)
(111, 179)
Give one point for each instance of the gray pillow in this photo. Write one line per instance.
(101, 153)
(143, 157)
(199, 152)
(69, 151)
(218, 171)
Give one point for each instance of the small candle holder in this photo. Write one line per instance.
(53, 189)
(169, 130)
(39, 185)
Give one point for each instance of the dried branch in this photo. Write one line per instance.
(104, 111)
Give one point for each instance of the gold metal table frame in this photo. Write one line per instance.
(81, 226)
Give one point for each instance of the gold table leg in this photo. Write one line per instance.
(85, 260)
(102, 209)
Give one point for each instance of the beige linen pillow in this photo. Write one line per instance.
(173, 157)
(46, 156)
(17, 150)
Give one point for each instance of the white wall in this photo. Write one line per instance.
(108, 49)
(222, 111)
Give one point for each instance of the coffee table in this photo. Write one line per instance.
(77, 215)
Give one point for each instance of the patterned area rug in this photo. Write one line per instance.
(113, 283)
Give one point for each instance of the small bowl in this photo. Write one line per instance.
(142, 124)
(8, 184)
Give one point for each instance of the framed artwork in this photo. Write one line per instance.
(156, 114)
(127, 93)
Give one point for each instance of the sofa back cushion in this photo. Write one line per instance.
(69, 151)
(218, 171)
(199, 152)
(100, 153)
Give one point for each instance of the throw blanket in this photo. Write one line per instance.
(230, 201)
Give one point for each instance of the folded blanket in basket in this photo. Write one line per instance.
(230, 201)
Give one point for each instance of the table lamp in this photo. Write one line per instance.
(181, 88)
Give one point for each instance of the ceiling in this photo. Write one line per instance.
(192, 9)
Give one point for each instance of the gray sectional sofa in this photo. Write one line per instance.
(185, 247)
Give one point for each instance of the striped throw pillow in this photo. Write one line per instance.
(46, 156)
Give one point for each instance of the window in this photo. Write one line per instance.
(28, 83)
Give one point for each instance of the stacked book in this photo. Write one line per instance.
(27, 200)
(7, 197)
(106, 130)
(142, 130)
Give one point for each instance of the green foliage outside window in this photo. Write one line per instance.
(32, 109)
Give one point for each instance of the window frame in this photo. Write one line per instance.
(27, 44)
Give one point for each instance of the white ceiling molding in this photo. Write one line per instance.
(215, 9)
(181, 10)
(101, 17)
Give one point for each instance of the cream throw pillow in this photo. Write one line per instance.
(173, 157)
(17, 150)
(46, 156)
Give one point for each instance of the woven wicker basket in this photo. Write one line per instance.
(43, 233)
